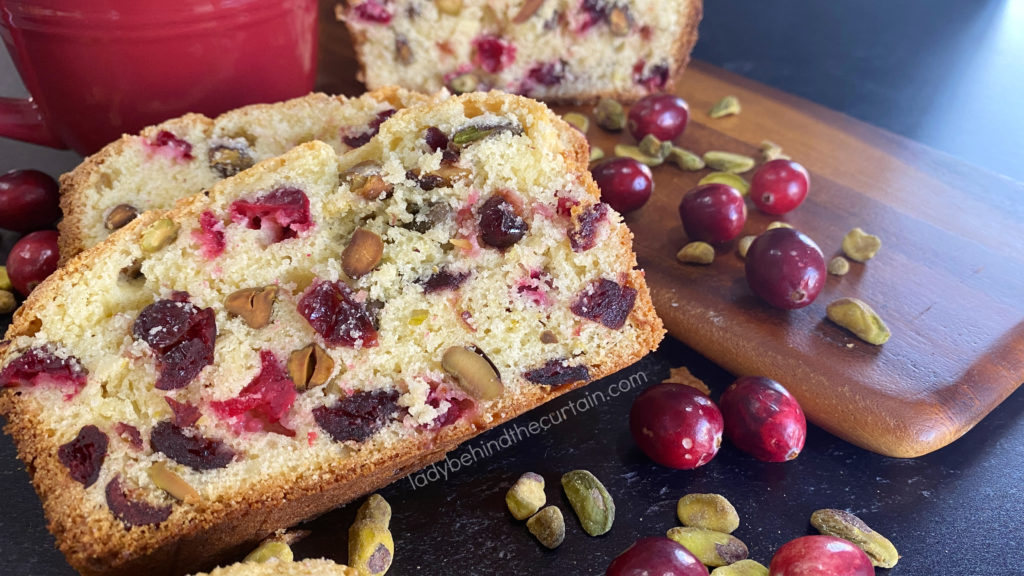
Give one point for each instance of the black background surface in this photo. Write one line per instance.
(945, 73)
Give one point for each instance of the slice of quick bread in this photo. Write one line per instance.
(186, 155)
(318, 567)
(555, 50)
(314, 328)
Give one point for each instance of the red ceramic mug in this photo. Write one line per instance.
(97, 69)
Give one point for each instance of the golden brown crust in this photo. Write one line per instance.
(211, 532)
(318, 567)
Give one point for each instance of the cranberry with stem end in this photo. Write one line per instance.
(656, 556)
(663, 115)
(779, 186)
(820, 555)
(626, 184)
(763, 419)
(32, 259)
(785, 268)
(29, 200)
(713, 213)
(676, 425)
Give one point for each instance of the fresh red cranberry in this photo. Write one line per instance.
(713, 213)
(32, 259)
(676, 425)
(779, 186)
(763, 419)
(364, 136)
(281, 214)
(444, 279)
(182, 337)
(785, 268)
(548, 73)
(133, 512)
(656, 557)
(83, 456)
(435, 139)
(605, 301)
(264, 402)
(41, 367)
(166, 143)
(210, 235)
(500, 224)
(493, 54)
(626, 184)
(357, 417)
(653, 78)
(188, 447)
(663, 115)
(583, 234)
(373, 11)
(29, 200)
(558, 372)
(333, 312)
(812, 555)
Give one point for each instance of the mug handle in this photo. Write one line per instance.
(20, 119)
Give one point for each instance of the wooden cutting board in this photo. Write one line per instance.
(949, 279)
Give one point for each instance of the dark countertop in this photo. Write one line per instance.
(944, 73)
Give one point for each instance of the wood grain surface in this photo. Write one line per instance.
(949, 279)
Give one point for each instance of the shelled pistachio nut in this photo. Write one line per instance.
(8, 303)
(838, 266)
(860, 246)
(856, 316)
(711, 547)
(743, 245)
(627, 151)
(610, 115)
(728, 106)
(652, 146)
(158, 235)
(577, 120)
(548, 527)
(711, 511)
(270, 550)
(728, 161)
(684, 159)
(843, 524)
(696, 252)
(526, 496)
(590, 500)
(746, 567)
(729, 179)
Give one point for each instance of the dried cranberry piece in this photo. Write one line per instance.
(583, 234)
(40, 365)
(168, 143)
(186, 446)
(84, 455)
(500, 224)
(444, 279)
(557, 372)
(493, 54)
(331, 310)
(129, 434)
(548, 73)
(456, 408)
(185, 414)
(181, 336)
(264, 402)
(373, 11)
(357, 140)
(210, 235)
(594, 11)
(435, 139)
(654, 79)
(133, 512)
(281, 213)
(605, 301)
(359, 416)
